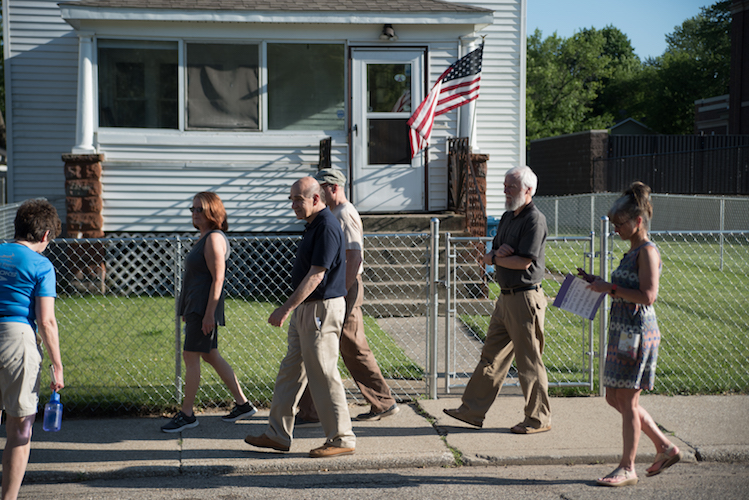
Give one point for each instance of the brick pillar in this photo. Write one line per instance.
(83, 201)
(475, 189)
(83, 204)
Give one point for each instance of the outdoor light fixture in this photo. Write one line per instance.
(388, 33)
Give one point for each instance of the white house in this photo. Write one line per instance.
(233, 96)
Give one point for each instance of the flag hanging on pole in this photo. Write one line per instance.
(458, 85)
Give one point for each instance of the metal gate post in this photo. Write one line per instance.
(591, 328)
(449, 311)
(604, 317)
(433, 310)
(722, 228)
(177, 322)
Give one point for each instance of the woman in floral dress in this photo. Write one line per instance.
(633, 288)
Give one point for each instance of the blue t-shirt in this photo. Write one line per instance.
(24, 275)
(322, 245)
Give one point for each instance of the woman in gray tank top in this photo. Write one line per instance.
(201, 305)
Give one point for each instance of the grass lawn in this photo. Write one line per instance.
(119, 354)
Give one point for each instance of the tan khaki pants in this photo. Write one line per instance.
(312, 357)
(516, 329)
(358, 358)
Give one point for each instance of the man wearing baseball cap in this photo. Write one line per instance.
(355, 350)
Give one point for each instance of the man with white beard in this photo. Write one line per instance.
(516, 328)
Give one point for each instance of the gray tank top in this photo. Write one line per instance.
(196, 282)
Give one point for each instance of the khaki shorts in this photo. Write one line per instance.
(20, 367)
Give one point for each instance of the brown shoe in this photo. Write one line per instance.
(328, 450)
(263, 441)
(454, 413)
(522, 428)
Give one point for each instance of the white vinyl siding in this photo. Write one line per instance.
(150, 177)
(441, 56)
(500, 113)
(41, 87)
(148, 185)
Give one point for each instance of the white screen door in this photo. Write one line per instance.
(387, 85)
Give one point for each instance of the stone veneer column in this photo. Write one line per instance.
(83, 201)
(475, 189)
(476, 195)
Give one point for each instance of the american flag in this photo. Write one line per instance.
(458, 85)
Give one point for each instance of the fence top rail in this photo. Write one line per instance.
(165, 238)
(549, 238)
(398, 235)
(663, 233)
(654, 195)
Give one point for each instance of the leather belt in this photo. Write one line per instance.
(508, 291)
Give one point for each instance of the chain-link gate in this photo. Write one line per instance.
(471, 293)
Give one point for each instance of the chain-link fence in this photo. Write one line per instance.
(702, 308)
(579, 214)
(121, 339)
(120, 336)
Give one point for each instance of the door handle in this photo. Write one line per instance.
(355, 130)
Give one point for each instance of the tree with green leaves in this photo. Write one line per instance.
(563, 79)
(594, 79)
(579, 83)
(695, 65)
(617, 96)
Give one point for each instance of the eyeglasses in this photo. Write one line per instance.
(196, 209)
(620, 224)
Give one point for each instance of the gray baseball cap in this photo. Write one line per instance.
(330, 176)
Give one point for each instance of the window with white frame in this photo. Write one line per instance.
(222, 86)
(305, 86)
(139, 82)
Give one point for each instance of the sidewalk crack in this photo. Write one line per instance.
(442, 433)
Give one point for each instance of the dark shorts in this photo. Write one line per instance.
(195, 340)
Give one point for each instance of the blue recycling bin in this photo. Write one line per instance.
(492, 223)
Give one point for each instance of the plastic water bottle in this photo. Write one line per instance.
(53, 414)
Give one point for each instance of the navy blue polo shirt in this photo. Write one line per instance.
(322, 245)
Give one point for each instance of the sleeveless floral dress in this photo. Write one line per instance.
(623, 373)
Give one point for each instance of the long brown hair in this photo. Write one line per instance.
(213, 209)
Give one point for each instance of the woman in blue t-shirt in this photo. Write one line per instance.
(27, 307)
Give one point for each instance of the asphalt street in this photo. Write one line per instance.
(698, 481)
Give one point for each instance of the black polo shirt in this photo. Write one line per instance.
(322, 245)
(526, 233)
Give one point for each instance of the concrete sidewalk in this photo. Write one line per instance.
(584, 430)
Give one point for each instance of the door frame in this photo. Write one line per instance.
(351, 97)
